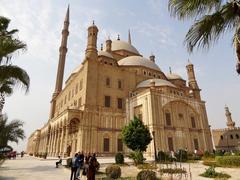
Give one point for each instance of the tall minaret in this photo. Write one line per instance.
(91, 51)
(129, 37)
(62, 55)
(230, 122)
(61, 63)
(192, 82)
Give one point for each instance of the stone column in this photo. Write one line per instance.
(61, 141)
(55, 142)
(50, 143)
(66, 139)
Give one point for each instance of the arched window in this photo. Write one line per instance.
(106, 142)
(168, 119)
(193, 122)
(221, 137)
(119, 145)
(231, 136)
(237, 136)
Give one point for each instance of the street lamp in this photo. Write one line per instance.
(154, 145)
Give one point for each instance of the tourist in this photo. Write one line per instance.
(92, 167)
(81, 163)
(59, 161)
(73, 167)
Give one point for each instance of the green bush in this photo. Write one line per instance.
(211, 173)
(219, 153)
(113, 171)
(162, 156)
(173, 171)
(181, 155)
(146, 175)
(237, 153)
(119, 158)
(137, 157)
(210, 163)
(228, 161)
(147, 166)
(227, 154)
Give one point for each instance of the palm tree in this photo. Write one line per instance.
(213, 19)
(11, 131)
(11, 76)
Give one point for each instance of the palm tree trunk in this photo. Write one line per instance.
(2, 102)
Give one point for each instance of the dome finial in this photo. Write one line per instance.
(170, 70)
(93, 22)
(118, 38)
(101, 46)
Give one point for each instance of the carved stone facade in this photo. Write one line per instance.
(227, 139)
(111, 86)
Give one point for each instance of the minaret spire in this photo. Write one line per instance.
(61, 64)
(62, 54)
(230, 122)
(129, 37)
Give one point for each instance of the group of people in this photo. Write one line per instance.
(84, 165)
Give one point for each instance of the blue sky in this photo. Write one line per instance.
(153, 31)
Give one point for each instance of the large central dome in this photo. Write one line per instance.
(122, 45)
(138, 61)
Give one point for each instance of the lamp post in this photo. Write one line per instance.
(154, 145)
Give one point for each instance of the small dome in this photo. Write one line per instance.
(158, 82)
(122, 45)
(104, 53)
(138, 61)
(173, 76)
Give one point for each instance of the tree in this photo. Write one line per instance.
(11, 76)
(136, 135)
(11, 131)
(214, 18)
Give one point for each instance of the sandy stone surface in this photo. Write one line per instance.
(30, 168)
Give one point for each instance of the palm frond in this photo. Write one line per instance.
(16, 75)
(208, 29)
(183, 9)
(9, 46)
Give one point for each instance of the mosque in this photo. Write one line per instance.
(111, 86)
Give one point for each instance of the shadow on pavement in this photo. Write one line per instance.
(7, 178)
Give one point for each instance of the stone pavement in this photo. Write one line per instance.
(31, 168)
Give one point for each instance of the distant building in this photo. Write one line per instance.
(109, 88)
(33, 142)
(228, 138)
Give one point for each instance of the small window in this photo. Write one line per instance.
(120, 103)
(108, 82)
(144, 72)
(119, 145)
(69, 95)
(221, 137)
(106, 144)
(168, 119)
(107, 101)
(76, 89)
(149, 74)
(231, 136)
(180, 115)
(193, 122)
(237, 136)
(81, 85)
(119, 84)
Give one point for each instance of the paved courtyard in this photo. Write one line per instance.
(30, 168)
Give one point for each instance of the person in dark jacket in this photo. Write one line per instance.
(92, 167)
(74, 167)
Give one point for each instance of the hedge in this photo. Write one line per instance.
(228, 161)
